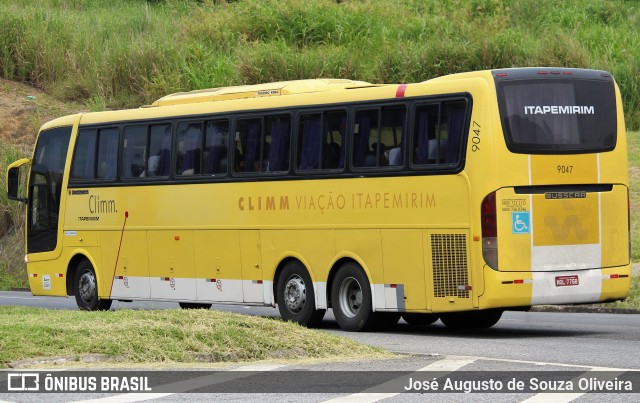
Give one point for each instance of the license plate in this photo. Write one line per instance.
(563, 281)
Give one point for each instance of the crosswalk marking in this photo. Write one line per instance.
(568, 397)
(443, 365)
(185, 386)
(447, 364)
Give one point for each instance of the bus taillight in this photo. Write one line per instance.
(489, 230)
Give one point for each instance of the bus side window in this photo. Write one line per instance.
(189, 148)
(248, 142)
(160, 148)
(438, 133)
(309, 141)
(392, 134)
(454, 115)
(366, 143)
(320, 140)
(276, 144)
(107, 153)
(424, 137)
(84, 155)
(134, 151)
(216, 156)
(335, 129)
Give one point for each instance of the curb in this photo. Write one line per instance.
(583, 309)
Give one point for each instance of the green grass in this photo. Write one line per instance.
(633, 301)
(12, 269)
(164, 336)
(124, 53)
(633, 143)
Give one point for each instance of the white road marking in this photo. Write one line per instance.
(568, 397)
(447, 364)
(187, 385)
(28, 298)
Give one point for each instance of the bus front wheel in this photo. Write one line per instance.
(86, 289)
(351, 299)
(296, 297)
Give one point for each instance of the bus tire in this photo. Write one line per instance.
(351, 299)
(472, 319)
(194, 305)
(419, 319)
(85, 287)
(296, 297)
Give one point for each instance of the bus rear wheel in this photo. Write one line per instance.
(472, 319)
(351, 299)
(296, 297)
(419, 319)
(194, 305)
(85, 289)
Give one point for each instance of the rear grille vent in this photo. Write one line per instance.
(449, 260)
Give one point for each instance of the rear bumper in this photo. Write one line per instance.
(517, 289)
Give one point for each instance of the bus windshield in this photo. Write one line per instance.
(558, 115)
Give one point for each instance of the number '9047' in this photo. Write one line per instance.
(475, 140)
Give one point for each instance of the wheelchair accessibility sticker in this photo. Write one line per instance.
(521, 222)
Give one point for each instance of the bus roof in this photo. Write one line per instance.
(259, 90)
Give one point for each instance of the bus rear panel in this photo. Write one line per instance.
(559, 234)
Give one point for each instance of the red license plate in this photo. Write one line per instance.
(563, 281)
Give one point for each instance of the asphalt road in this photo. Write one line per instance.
(521, 341)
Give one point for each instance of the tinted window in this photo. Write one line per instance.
(146, 151)
(376, 133)
(96, 154)
(107, 161)
(438, 134)
(321, 141)
(558, 115)
(45, 189)
(134, 151)
(262, 145)
(248, 145)
(365, 152)
(189, 148)
(216, 155)
(159, 161)
(84, 155)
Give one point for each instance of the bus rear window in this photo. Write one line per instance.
(558, 115)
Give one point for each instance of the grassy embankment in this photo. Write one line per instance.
(127, 53)
(22, 110)
(12, 269)
(163, 337)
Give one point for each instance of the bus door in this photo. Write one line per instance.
(251, 261)
(45, 189)
(44, 195)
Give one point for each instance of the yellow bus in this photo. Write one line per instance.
(455, 199)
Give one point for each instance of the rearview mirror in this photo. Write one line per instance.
(13, 180)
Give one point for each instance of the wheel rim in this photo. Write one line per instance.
(87, 286)
(295, 294)
(350, 297)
